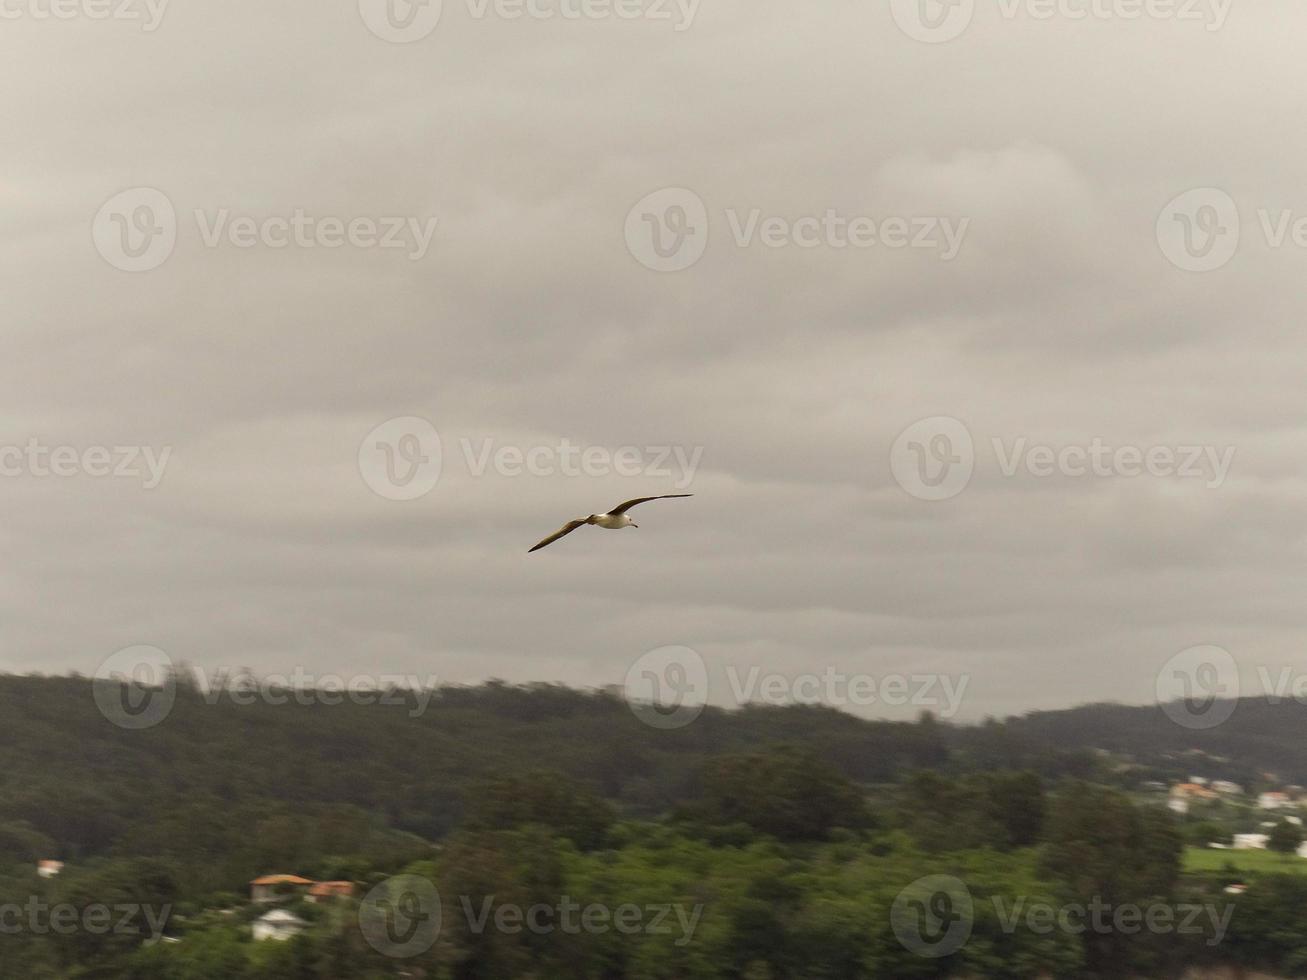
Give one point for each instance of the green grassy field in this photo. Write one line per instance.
(1202, 860)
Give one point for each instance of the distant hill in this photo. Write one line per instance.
(78, 785)
(1258, 737)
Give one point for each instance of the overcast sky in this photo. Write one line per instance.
(782, 363)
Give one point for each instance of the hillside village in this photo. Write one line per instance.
(280, 923)
(1219, 814)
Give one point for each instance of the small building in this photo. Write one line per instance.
(277, 888)
(1274, 801)
(1178, 804)
(1192, 791)
(49, 869)
(1250, 842)
(1237, 889)
(1227, 788)
(278, 925)
(321, 891)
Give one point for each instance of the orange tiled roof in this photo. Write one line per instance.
(324, 889)
(281, 880)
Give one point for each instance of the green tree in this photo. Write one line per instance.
(1284, 837)
(788, 793)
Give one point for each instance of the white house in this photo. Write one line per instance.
(279, 925)
(49, 869)
(1274, 801)
(1228, 788)
(1250, 842)
(1177, 804)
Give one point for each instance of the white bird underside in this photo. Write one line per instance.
(614, 520)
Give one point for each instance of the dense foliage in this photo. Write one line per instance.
(768, 843)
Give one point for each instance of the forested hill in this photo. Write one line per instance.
(87, 783)
(66, 769)
(792, 829)
(1260, 738)
(407, 760)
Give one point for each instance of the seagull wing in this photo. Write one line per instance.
(624, 507)
(566, 529)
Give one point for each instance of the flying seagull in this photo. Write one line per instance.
(614, 520)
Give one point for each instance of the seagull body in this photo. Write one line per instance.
(614, 520)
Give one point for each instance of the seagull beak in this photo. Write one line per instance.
(635, 525)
